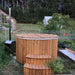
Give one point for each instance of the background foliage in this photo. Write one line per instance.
(35, 11)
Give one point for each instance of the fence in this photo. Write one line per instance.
(4, 34)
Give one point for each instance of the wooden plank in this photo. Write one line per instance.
(68, 54)
(24, 71)
(54, 48)
(44, 72)
(25, 50)
(27, 71)
(70, 50)
(33, 72)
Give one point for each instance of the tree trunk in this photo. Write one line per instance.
(2, 3)
(8, 3)
(27, 3)
(17, 3)
(22, 3)
(5, 4)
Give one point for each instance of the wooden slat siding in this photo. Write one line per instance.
(25, 50)
(29, 61)
(50, 47)
(24, 70)
(47, 72)
(38, 51)
(38, 71)
(30, 72)
(40, 48)
(31, 50)
(27, 47)
(39, 60)
(35, 48)
(45, 51)
(31, 47)
(17, 51)
(54, 49)
(32, 61)
(44, 72)
(27, 71)
(46, 48)
(52, 72)
(43, 47)
(22, 52)
(34, 72)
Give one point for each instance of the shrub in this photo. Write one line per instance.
(4, 58)
(73, 46)
(57, 21)
(56, 65)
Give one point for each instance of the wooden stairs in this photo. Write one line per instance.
(36, 65)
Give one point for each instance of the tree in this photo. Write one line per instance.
(58, 21)
(2, 3)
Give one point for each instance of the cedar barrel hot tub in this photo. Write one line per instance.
(34, 50)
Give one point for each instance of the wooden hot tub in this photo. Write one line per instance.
(36, 49)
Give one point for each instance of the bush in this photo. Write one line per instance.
(73, 46)
(10, 49)
(71, 43)
(4, 58)
(57, 65)
(57, 22)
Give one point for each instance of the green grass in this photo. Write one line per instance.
(72, 23)
(28, 28)
(21, 28)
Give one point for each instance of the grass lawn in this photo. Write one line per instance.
(28, 28)
(21, 28)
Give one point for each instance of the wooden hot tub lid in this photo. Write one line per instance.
(36, 36)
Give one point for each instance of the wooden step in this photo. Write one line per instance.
(38, 59)
(30, 69)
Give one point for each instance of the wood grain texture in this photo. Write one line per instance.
(34, 51)
(37, 70)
